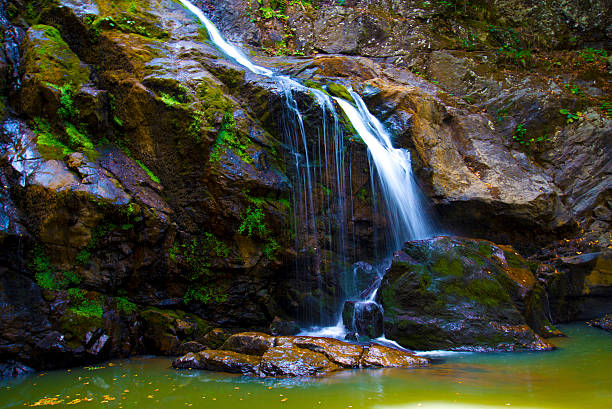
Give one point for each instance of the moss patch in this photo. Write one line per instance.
(48, 58)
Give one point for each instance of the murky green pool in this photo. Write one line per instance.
(578, 375)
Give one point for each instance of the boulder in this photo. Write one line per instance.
(380, 356)
(282, 327)
(341, 353)
(363, 317)
(220, 361)
(290, 360)
(249, 343)
(460, 294)
(604, 322)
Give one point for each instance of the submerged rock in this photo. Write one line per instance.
(460, 294)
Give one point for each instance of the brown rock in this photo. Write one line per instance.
(222, 361)
(249, 343)
(340, 352)
(380, 356)
(289, 360)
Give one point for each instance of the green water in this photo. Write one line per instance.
(578, 375)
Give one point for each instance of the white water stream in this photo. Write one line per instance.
(404, 205)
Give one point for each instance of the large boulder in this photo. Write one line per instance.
(249, 343)
(261, 354)
(221, 361)
(380, 356)
(290, 360)
(460, 294)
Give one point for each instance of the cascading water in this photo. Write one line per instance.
(326, 163)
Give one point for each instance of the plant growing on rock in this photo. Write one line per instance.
(197, 255)
(254, 225)
(570, 116)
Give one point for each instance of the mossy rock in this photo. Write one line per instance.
(339, 91)
(49, 59)
(437, 285)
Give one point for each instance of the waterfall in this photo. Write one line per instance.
(402, 201)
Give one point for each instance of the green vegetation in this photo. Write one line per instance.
(148, 172)
(511, 48)
(229, 138)
(169, 100)
(125, 306)
(574, 89)
(592, 54)
(340, 91)
(570, 116)
(46, 274)
(113, 110)
(197, 256)
(276, 10)
(254, 225)
(48, 144)
(520, 136)
(607, 108)
(195, 127)
(84, 304)
(130, 24)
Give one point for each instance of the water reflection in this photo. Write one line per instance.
(530, 380)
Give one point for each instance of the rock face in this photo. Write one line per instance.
(462, 294)
(295, 356)
(147, 193)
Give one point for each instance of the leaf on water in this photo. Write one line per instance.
(47, 402)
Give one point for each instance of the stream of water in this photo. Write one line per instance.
(576, 376)
(326, 163)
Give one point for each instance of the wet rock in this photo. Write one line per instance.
(363, 317)
(341, 353)
(221, 361)
(380, 356)
(290, 360)
(249, 343)
(455, 293)
(190, 346)
(604, 322)
(215, 338)
(12, 369)
(166, 330)
(282, 327)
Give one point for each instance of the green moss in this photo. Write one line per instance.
(446, 268)
(340, 91)
(195, 127)
(228, 138)
(514, 260)
(48, 58)
(83, 257)
(125, 306)
(84, 304)
(197, 256)
(485, 249)
(47, 142)
(482, 290)
(148, 172)
(169, 100)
